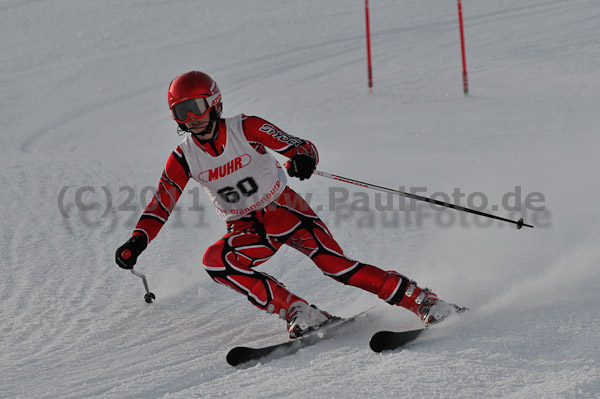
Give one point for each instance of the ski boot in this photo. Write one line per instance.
(427, 305)
(302, 318)
(435, 310)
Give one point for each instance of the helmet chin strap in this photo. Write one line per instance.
(198, 136)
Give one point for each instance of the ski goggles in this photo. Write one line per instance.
(197, 106)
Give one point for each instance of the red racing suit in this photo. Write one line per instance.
(256, 232)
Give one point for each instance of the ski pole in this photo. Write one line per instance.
(149, 297)
(519, 222)
(462, 47)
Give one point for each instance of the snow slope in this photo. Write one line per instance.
(86, 131)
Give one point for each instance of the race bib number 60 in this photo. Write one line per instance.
(245, 187)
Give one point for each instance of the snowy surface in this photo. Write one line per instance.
(85, 134)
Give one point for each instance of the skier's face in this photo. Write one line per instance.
(198, 124)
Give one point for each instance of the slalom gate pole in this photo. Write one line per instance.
(462, 46)
(368, 34)
(149, 297)
(519, 223)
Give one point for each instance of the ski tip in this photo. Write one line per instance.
(378, 341)
(237, 355)
(391, 340)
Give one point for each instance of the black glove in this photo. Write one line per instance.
(301, 166)
(128, 253)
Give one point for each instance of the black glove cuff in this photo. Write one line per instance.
(137, 243)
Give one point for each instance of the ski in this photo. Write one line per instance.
(243, 354)
(390, 340)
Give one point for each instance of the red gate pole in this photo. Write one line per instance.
(462, 46)
(369, 66)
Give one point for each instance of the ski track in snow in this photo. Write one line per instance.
(85, 122)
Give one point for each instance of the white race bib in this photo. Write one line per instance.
(240, 180)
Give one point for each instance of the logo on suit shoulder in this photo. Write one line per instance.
(221, 171)
(281, 136)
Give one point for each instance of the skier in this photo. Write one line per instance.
(248, 187)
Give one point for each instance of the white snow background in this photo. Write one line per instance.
(86, 131)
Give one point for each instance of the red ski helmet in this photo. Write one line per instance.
(194, 92)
